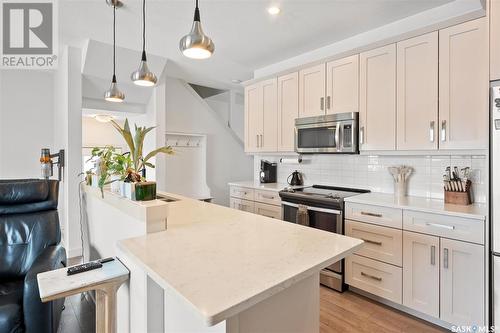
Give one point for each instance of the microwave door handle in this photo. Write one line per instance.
(337, 137)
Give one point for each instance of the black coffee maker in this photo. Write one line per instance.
(267, 172)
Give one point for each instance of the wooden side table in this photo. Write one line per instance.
(105, 281)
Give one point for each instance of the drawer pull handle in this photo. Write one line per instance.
(267, 196)
(372, 242)
(449, 227)
(376, 278)
(433, 255)
(371, 214)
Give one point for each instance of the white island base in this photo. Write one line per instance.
(294, 309)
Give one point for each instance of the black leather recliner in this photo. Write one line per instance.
(29, 244)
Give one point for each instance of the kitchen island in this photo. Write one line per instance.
(217, 269)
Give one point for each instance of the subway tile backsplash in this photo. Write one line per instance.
(370, 172)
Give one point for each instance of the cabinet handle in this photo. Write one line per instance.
(371, 276)
(257, 141)
(372, 242)
(431, 131)
(322, 103)
(443, 130)
(445, 258)
(362, 135)
(371, 214)
(328, 102)
(433, 255)
(261, 141)
(443, 226)
(267, 196)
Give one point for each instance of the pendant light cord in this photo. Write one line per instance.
(114, 44)
(197, 12)
(143, 30)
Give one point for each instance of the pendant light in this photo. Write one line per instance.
(196, 44)
(113, 94)
(143, 76)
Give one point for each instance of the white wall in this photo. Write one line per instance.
(26, 121)
(95, 133)
(226, 161)
(370, 172)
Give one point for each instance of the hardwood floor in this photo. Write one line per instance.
(350, 312)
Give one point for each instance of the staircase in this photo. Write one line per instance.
(227, 105)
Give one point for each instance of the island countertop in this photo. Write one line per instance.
(223, 261)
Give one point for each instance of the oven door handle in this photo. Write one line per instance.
(314, 209)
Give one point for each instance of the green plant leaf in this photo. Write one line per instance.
(165, 150)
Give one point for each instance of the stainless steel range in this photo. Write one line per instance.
(320, 207)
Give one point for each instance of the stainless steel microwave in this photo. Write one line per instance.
(331, 133)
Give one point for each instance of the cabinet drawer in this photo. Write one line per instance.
(375, 277)
(240, 204)
(381, 243)
(268, 210)
(241, 192)
(268, 197)
(385, 216)
(469, 230)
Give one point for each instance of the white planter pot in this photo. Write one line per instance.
(95, 181)
(128, 190)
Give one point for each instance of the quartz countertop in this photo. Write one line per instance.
(436, 206)
(223, 261)
(260, 186)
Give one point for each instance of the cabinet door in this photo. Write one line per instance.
(421, 272)
(464, 86)
(288, 110)
(240, 204)
(494, 40)
(342, 85)
(312, 91)
(462, 283)
(254, 117)
(377, 119)
(417, 93)
(269, 138)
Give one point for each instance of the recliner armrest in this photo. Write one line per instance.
(38, 315)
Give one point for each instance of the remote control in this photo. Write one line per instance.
(105, 260)
(84, 267)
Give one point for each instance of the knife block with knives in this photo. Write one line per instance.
(457, 186)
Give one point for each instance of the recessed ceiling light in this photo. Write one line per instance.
(236, 81)
(103, 118)
(274, 10)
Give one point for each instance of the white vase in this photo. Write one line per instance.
(115, 184)
(129, 190)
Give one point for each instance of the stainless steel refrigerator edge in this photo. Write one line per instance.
(495, 198)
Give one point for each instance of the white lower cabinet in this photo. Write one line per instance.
(429, 272)
(262, 202)
(462, 283)
(421, 272)
(240, 204)
(268, 210)
(375, 277)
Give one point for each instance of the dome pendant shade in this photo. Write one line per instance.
(113, 94)
(196, 44)
(143, 76)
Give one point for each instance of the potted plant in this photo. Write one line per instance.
(111, 167)
(135, 185)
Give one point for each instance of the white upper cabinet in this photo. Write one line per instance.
(464, 86)
(462, 283)
(417, 93)
(312, 91)
(421, 272)
(342, 85)
(288, 110)
(494, 40)
(261, 116)
(269, 137)
(377, 118)
(254, 118)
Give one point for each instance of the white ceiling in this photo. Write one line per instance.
(245, 35)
